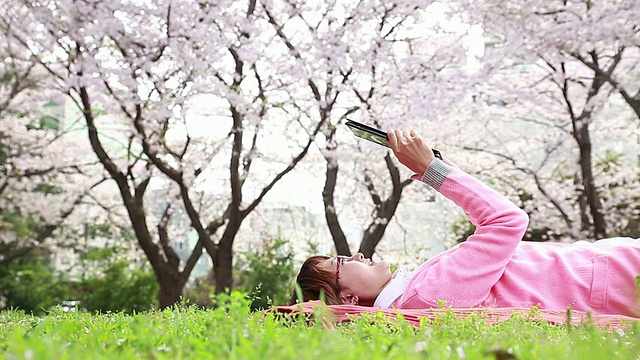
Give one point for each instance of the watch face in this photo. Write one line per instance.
(378, 139)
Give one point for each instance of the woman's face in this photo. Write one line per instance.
(359, 277)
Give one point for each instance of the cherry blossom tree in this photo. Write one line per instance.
(144, 77)
(136, 73)
(553, 74)
(42, 183)
(385, 57)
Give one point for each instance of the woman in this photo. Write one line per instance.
(493, 268)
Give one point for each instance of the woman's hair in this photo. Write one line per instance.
(315, 282)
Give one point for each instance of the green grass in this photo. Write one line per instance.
(232, 332)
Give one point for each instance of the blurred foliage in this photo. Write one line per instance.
(266, 273)
(30, 284)
(110, 282)
(120, 288)
(18, 224)
(201, 291)
(3, 153)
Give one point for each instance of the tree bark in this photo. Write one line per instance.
(170, 290)
(376, 230)
(170, 279)
(580, 132)
(586, 168)
(223, 264)
(330, 213)
(592, 62)
(385, 210)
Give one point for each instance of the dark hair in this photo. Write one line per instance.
(315, 280)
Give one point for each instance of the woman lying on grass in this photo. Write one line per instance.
(493, 268)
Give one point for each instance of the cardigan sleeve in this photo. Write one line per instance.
(465, 274)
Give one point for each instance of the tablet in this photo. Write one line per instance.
(375, 135)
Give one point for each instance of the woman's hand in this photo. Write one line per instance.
(411, 150)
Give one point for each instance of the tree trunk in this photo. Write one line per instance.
(339, 238)
(170, 291)
(163, 259)
(371, 238)
(384, 209)
(593, 198)
(223, 261)
(585, 220)
(223, 268)
(580, 132)
(376, 229)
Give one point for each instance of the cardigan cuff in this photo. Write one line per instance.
(436, 173)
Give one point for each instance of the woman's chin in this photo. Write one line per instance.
(383, 264)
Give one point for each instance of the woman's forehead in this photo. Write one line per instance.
(328, 264)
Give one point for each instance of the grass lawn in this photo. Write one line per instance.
(232, 332)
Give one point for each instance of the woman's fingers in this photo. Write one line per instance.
(399, 135)
(410, 149)
(393, 139)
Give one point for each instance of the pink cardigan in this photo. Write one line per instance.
(493, 268)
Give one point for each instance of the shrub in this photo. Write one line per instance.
(119, 289)
(266, 273)
(29, 283)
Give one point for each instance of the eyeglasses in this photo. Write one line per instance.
(340, 259)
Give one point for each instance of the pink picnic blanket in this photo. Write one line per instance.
(343, 313)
